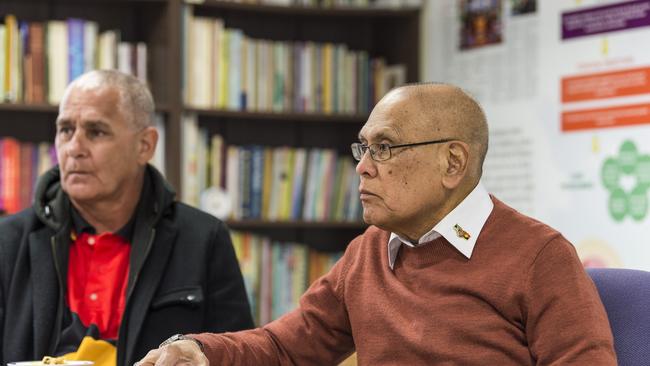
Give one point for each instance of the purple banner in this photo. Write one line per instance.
(608, 18)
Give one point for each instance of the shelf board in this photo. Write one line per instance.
(365, 12)
(50, 108)
(288, 116)
(24, 107)
(299, 224)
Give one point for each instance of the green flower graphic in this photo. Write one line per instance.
(631, 166)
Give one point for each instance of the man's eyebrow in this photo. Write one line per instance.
(62, 122)
(377, 137)
(96, 124)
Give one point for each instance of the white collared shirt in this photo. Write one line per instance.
(466, 218)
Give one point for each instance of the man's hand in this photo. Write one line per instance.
(184, 352)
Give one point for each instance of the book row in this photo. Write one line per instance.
(225, 69)
(39, 59)
(267, 183)
(20, 165)
(276, 274)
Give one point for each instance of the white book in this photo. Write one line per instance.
(200, 62)
(217, 35)
(262, 67)
(90, 45)
(57, 60)
(141, 61)
(124, 57)
(251, 77)
(234, 76)
(107, 57)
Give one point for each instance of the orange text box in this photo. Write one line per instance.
(606, 85)
(628, 115)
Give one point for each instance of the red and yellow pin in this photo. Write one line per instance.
(461, 233)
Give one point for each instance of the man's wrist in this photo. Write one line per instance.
(181, 337)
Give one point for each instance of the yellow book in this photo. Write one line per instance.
(287, 183)
(267, 182)
(327, 75)
(10, 54)
(224, 57)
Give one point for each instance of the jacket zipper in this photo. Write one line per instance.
(59, 307)
(124, 324)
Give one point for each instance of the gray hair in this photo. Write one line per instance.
(135, 98)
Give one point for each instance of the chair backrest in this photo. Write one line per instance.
(626, 296)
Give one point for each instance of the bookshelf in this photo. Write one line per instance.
(392, 34)
(389, 33)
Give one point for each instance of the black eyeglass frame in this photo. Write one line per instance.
(363, 148)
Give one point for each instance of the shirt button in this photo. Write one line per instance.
(93, 296)
(91, 240)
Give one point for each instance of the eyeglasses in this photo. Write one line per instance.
(382, 152)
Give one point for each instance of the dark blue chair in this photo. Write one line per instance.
(626, 296)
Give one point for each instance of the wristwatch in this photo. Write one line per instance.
(181, 337)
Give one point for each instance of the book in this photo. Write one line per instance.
(76, 62)
(57, 60)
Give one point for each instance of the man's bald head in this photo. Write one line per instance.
(449, 112)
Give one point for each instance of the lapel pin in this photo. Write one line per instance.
(460, 232)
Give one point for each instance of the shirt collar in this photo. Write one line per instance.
(80, 225)
(460, 227)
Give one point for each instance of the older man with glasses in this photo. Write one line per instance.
(445, 274)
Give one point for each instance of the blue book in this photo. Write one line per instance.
(257, 180)
(245, 181)
(75, 48)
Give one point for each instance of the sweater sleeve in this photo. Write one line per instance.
(318, 332)
(566, 322)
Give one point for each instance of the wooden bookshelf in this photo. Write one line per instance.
(313, 11)
(298, 224)
(285, 116)
(49, 108)
(382, 32)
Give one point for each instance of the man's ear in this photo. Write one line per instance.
(147, 141)
(456, 158)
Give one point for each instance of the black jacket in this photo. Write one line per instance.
(183, 274)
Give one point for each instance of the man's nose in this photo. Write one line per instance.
(366, 166)
(76, 146)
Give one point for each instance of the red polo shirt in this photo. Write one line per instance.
(98, 271)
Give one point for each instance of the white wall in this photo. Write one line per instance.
(532, 164)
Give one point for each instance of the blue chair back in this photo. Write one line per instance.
(626, 296)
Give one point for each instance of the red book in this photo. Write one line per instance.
(36, 48)
(10, 174)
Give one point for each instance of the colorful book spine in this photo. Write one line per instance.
(76, 64)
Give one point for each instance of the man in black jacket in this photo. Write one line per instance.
(106, 264)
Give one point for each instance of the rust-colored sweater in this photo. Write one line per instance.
(522, 298)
